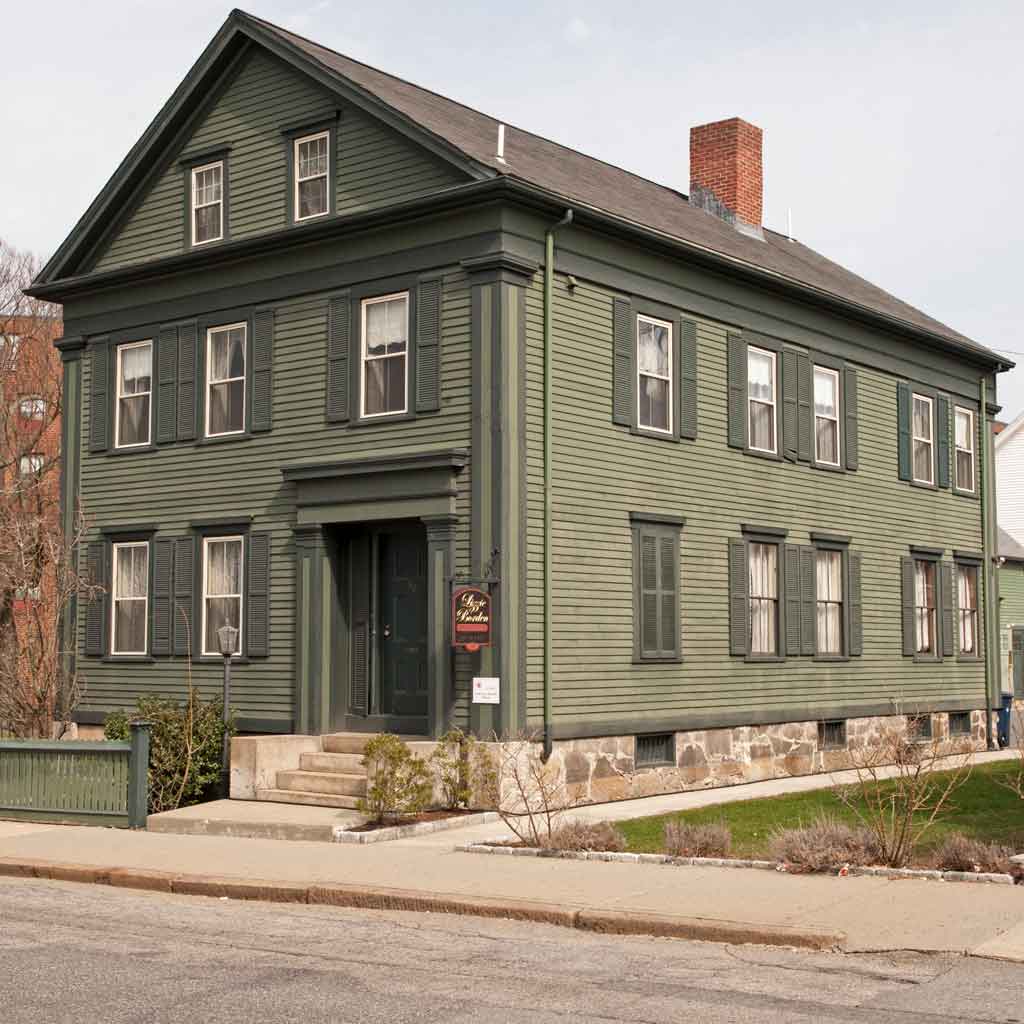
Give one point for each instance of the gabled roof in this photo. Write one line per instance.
(1009, 547)
(1009, 432)
(468, 137)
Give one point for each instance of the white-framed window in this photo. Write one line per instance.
(923, 433)
(963, 420)
(10, 345)
(967, 607)
(208, 203)
(222, 590)
(761, 400)
(129, 598)
(225, 380)
(32, 408)
(312, 169)
(132, 409)
(924, 606)
(830, 601)
(763, 562)
(30, 464)
(826, 416)
(654, 374)
(385, 334)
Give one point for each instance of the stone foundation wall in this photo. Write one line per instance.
(599, 770)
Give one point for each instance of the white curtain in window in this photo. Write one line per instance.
(136, 369)
(761, 398)
(830, 598)
(924, 602)
(967, 602)
(223, 589)
(826, 412)
(763, 598)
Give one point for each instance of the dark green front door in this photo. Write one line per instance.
(1017, 645)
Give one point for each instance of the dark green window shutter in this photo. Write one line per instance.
(657, 599)
(339, 342)
(183, 609)
(942, 440)
(739, 598)
(257, 644)
(100, 400)
(850, 417)
(187, 350)
(428, 346)
(669, 603)
(359, 693)
(737, 411)
(804, 400)
(167, 386)
(261, 417)
(808, 600)
(623, 361)
(95, 610)
(687, 378)
(791, 582)
(903, 407)
(853, 596)
(649, 595)
(945, 574)
(163, 559)
(909, 631)
(789, 404)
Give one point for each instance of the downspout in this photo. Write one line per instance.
(549, 279)
(986, 494)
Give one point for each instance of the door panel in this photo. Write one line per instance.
(402, 622)
(359, 605)
(1017, 644)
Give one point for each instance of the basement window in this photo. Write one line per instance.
(959, 723)
(832, 734)
(919, 728)
(655, 750)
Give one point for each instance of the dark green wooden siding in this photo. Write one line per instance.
(602, 472)
(375, 165)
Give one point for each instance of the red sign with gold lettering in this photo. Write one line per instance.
(471, 618)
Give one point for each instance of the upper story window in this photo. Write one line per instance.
(761, 400)
(134, 391)
(967, 605)
(225, 380)
(826, 416)
(30, 464)
(923, 432)
(654, 374)
(829, 588)
(32, 408)
(208, 203)
(222, 590)
(964, 437)
(763, 563)
(312, 175)
(925, 606)
(385, 352)
(129, 598)
(10, 344)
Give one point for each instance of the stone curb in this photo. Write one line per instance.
(370, 897)
(730, 862)
(419, 828)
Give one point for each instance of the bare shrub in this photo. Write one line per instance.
(598, 836)
(454, 761)
(905, 782)
(961, 853)
(685, 840)
(1015, 780)
(824, 845)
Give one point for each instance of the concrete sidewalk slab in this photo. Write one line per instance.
(255, 819)
(1009, 945)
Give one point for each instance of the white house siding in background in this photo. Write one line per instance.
(1009, 446)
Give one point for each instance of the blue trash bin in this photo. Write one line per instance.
(1003, 728)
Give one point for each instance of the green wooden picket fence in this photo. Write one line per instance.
(76, 782)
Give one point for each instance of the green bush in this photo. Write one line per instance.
(454, 762)
(397, 782)
(185, 748)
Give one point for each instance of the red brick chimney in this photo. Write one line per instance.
(725, 171)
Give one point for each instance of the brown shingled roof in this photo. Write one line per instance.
(612, 190)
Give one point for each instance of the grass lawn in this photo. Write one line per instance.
(981, 809)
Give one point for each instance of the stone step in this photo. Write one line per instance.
(346, 742)
(347, 764)
(293, 796)
(322, 782)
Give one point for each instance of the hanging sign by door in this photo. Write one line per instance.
(471, 618)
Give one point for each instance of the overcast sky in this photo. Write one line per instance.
(892, 130)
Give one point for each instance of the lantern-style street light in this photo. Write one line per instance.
(227, 639)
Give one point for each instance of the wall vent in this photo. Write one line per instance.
(919, 727)
(832, 734)
(655, 750)
(959, 723)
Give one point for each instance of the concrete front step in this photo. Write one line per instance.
(322, 782)
(347, 764)
(346, 742)
(295, 796)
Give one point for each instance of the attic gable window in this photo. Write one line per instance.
(312, 175)
(208, 203)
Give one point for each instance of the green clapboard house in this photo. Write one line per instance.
(335, 344)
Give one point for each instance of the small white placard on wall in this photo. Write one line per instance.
(486, 690)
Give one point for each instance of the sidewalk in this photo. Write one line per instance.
(873, 913)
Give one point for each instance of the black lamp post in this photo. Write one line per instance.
(227, 640)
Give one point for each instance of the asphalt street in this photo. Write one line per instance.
(92, 953)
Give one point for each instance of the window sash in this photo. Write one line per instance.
(967, 605)
(763, 568)
(923, 443)
(761, 409)
(32, 408)
(829, 583)
(132, 400)
(222, 385)
(312, 175)
(826, 425)
(206, 196)
(965, 479)
(648, 380)
(222, 602)
(129, 611)
(30, 464)
(382, 358)
(925, 606)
